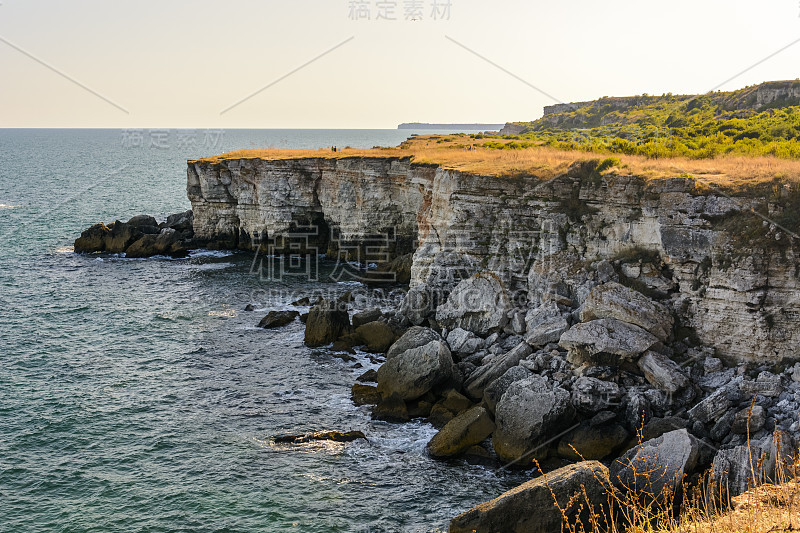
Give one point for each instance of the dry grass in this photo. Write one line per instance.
(704, 506)
(465, 154)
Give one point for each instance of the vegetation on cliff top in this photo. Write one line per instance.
(731, 139)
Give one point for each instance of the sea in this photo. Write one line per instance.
(139, 395)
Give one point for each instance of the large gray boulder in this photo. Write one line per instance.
(528, 412)
(592, 442)
(478, 304)
(612, 300)
(480, 379)
(741, 468)
(590, 395)
(662, 372)
(416, 363)
(657, 466)
(418, 304)
(606, 335)
(326, 322)
(467, 429)
(498, 387)
(534, 507)
(463, 342)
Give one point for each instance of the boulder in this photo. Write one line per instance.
(733, 470)
(478, 304)
(335, 436)
(365, 317)
(590, 395)
(528, 412)
(92, 239)
(755, 419)
(766, 384)
(370, 376)
(326, 322)
(592, 442)
(376, 337)
(606, 335)
(612, 300)
(418, 304)
(277, 319)
(657, 466)
(463, 342)
(165, 243)
(486, 374)
(535, 506)
(415, 364)
(181, 222)
(365, 394)
(391, 409)
(467, 429)
(413, 338)
(498, 387)
(711, 408)
(662, 372)
(545, 325)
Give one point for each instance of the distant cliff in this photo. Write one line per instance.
(450, 127)
(731, 278)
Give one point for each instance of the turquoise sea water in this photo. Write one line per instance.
(137, 395)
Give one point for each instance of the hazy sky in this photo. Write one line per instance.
(180, 63)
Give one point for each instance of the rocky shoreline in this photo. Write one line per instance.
(651, 325)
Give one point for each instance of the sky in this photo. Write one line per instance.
(323, 64)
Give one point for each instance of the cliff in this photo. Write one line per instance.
(730, 277)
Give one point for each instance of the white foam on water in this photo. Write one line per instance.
(7, 206)
(210, 253)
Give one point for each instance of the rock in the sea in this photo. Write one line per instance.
(463, 342)
(326, 322)
(370, 376)
(416, 363)
(486, 374)
(335, 436)
(467, 429)
(608, 336)
(365, 317)
(180, 222)
(365, 394)
(376, 337)
(612, 300)
(478, 304)
(529, 411)
(277, 319)
(592, 442)
(657, 466)
(391, 409)
(165, 243)
(530, 508)
(662, 372)
(590, 395)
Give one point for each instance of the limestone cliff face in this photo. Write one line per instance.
(730, 277)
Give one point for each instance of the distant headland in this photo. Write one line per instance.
(426, 126)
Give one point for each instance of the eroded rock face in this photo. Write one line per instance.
(478, 304)
(538, 237)
(525, 414)
(530, 508)
(415, 364)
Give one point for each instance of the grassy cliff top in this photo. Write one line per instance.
(510, 157)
